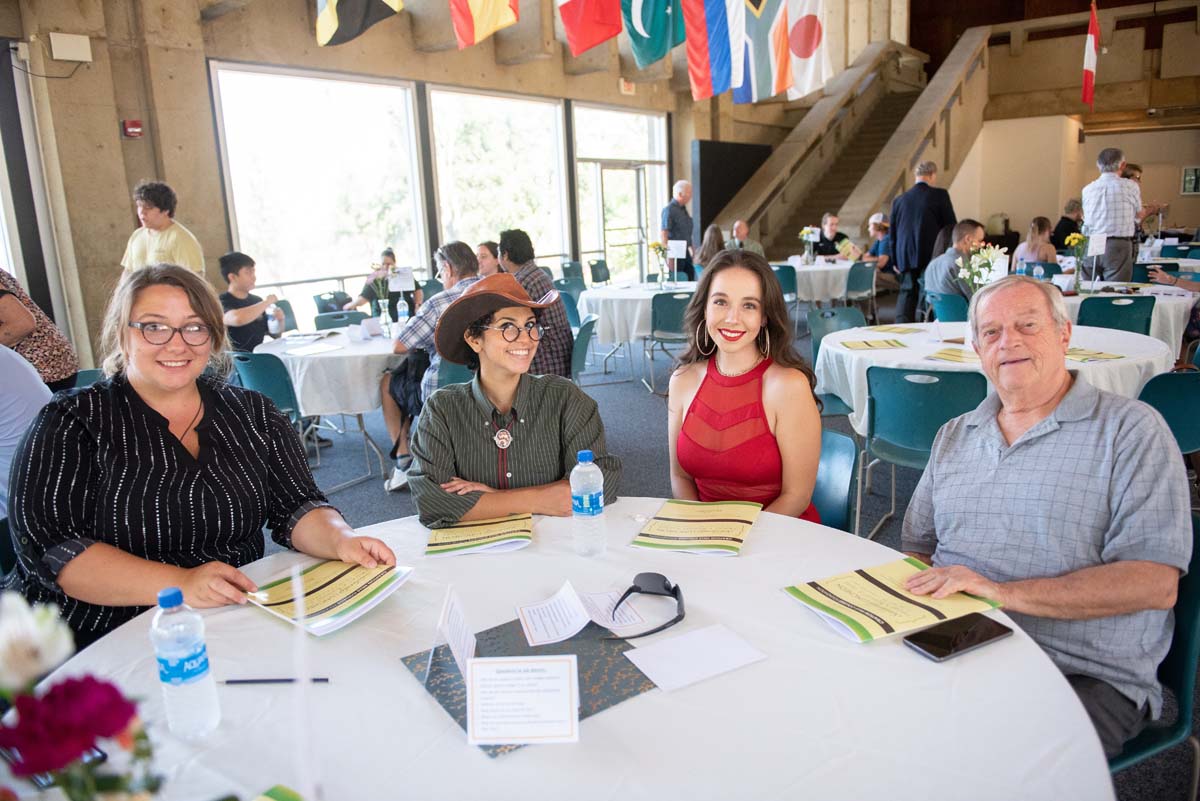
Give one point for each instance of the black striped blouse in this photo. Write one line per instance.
(99, 465)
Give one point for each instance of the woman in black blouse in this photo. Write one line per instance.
(160, 476)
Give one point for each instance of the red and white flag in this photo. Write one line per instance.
(811, 64)
(1090, 49)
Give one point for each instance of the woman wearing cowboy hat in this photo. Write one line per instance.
(506, 442)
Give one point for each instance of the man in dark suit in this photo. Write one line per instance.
(917, 216)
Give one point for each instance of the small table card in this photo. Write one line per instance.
(523, 699)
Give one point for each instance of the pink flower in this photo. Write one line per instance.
(54, 730)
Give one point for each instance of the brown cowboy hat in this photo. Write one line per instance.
(483, 297)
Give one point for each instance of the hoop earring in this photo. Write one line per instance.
(767, 350)
(700, 338)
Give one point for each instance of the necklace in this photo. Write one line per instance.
(740, 372)
(503, 437)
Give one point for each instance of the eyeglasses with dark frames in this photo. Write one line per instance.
(194, 334)
(512, 332)
(653, 584)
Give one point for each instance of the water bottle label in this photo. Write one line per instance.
(186, 670)
(587, 505)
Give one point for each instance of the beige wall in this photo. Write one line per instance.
(1162, 156)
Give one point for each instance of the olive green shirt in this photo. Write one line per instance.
(550, 422)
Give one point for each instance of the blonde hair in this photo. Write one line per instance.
(201, 297)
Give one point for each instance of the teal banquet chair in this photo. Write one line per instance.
(289, 316)
(1175, 251)
(324, 322)
(571, 307)
(666, 328)
(331, 301)
(572, 269)
(1049, 269)
(266, 373)
(570, 286)
(1119, 312)
(431, 287)
(579, 351)
(820, 323)
(948, 308)
(905, 409)
(1178, 674)
(1176, 396)
(833, 494)
(599, 271)
(85, 378)
(860, 286)
(1141, 270)
(786, 274)
(451, 373)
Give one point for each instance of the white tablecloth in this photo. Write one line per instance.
(843, 372)
(822, 280)
(342, 381)
(819, 718)
(1170, 317)
(624, 309)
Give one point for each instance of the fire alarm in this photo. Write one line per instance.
(131, 129)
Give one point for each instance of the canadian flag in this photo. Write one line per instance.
(1089, 60)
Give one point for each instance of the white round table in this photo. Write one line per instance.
(624, 309)
(843, 372)
(1168, 320)
(342, 380)
(820, 717)
(821, 280)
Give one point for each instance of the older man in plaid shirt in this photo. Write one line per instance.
(554, 354)
(1112, 208)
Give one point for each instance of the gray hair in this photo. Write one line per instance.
(1110, 159)
(1073, 205)
(926, 168)
(679, 186)
(460, 257)
(1058, 309)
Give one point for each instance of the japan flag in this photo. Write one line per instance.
(811, 66)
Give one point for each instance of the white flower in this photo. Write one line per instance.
(33, 641)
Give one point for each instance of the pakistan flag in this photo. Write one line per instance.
(654, 27)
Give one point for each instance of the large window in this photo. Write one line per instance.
(321, 175)
(499, 162)
(621, 182)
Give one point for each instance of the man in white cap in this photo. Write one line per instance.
(877, 253)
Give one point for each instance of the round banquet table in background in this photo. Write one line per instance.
(624, 309)
(821, 280)
(341, 381)
(1171, 310)
(843, 372)
(820, 717)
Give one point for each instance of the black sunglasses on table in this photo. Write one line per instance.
(653, 584)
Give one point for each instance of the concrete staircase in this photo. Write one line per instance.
(848, 169)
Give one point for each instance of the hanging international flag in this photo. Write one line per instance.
(715, 29)
(476, 20)
(767, 61)
(654, 27)
(811, 65)
(339, 21)
(588, 23)
(1090, 49)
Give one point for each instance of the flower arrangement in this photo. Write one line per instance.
(658, 249)
(56, 731)
(978, 270)
(1078, 243)
(810, 233)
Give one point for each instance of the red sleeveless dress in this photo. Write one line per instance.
(725, 444)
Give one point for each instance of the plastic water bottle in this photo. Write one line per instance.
(587, 506)
(274, 326)
(189, 692)
(1039, 272)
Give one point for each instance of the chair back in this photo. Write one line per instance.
(571, 307)
(430, 287)
(328, 320)
(85, 378)
(1194, 253)
(1177, 671)
(330, 301)
(833, 494)
(1187, 276)
(1175, 251)
(1049, 269)
(948, 308)
(1176, 396)
(1141, 270)
(579, 350)
(1121, 313)
(572, 269)
(570, 286)
(826, 321)
(289, 316)
(860, 281)
(451, 373)
(599, 271)
(905, 408)
(666, 314)
(786, 274)
(266, 373)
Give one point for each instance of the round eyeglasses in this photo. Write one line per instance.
(193, 334)
(512, 332)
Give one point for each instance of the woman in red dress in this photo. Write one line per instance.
(744, 422)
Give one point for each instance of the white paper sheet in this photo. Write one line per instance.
(692, 657)
(452, 624)
(313, 350)
(370, 327)
(402, 281)
(1096, 243)
(523, 699)
(677, 248)
(564, 614)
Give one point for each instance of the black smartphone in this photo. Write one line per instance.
(953, 637)
(44, 781)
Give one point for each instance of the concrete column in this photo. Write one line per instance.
(858, 28)
(836, 36)
(880, 20)
(532, 38)
(899, 12)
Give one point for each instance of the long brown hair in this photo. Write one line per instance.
(712, 244)
(201, 297)
(778, 328)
